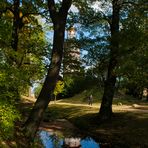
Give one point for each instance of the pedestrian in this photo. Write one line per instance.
(90, 100)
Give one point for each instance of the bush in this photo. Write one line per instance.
(37, 90)
(8, 114)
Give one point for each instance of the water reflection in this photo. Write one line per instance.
(89, 143)
(50, 141)
(53, 141)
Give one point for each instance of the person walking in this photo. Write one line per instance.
(90, 100)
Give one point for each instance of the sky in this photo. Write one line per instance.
(49, 33)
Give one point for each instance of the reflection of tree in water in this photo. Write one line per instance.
(72, 143)
(56, 140)
(88, 142)
(51, 140)
(87, 139)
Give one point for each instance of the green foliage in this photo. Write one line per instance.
(76, 84)
(8, 83)
(133, 66)
(59, 87)
(18, 69)
(133, 42)
(70, 87)
(8, 115)
(37, 90)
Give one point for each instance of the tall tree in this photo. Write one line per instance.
(21, 63)
(17, 24)
(109, 88)
(24, 48)
(58, 17)
(120, 10)
(106, 20)
(133, 65)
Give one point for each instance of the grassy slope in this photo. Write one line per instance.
(97, 95)
(125, 129)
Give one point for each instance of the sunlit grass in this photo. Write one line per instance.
(124, 127)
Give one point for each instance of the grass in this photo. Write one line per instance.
(125, 129)
(97, 96)
(83, 96)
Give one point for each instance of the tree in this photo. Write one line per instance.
(22, 50)
(111, 21)
(22, 45)
(109, 54)
(133, 65)
(58, 89)
(114, 44)
(109, 88)
(58, 17)
(117, 51)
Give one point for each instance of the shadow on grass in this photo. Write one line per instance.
(126, 129)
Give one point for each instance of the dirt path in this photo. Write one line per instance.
(134, 107)
(122, 108)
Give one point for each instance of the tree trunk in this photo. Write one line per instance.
(17, 26)
(44, 98)
(16, 19)
(59, 22)
(109, 88)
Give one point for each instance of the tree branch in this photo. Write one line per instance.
(65, 7)
(52, 9)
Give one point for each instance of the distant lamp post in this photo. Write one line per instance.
(71, 32)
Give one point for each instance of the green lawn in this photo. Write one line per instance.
(127, 128)
(97, 96)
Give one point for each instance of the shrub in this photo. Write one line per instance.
(37, 90)
(8, 115)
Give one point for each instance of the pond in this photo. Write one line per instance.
(50, 140)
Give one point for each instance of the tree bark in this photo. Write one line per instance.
(17, 26)
(59, 22)
(109, 88)
(15, 30)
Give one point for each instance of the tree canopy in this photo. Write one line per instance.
(109, 50)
